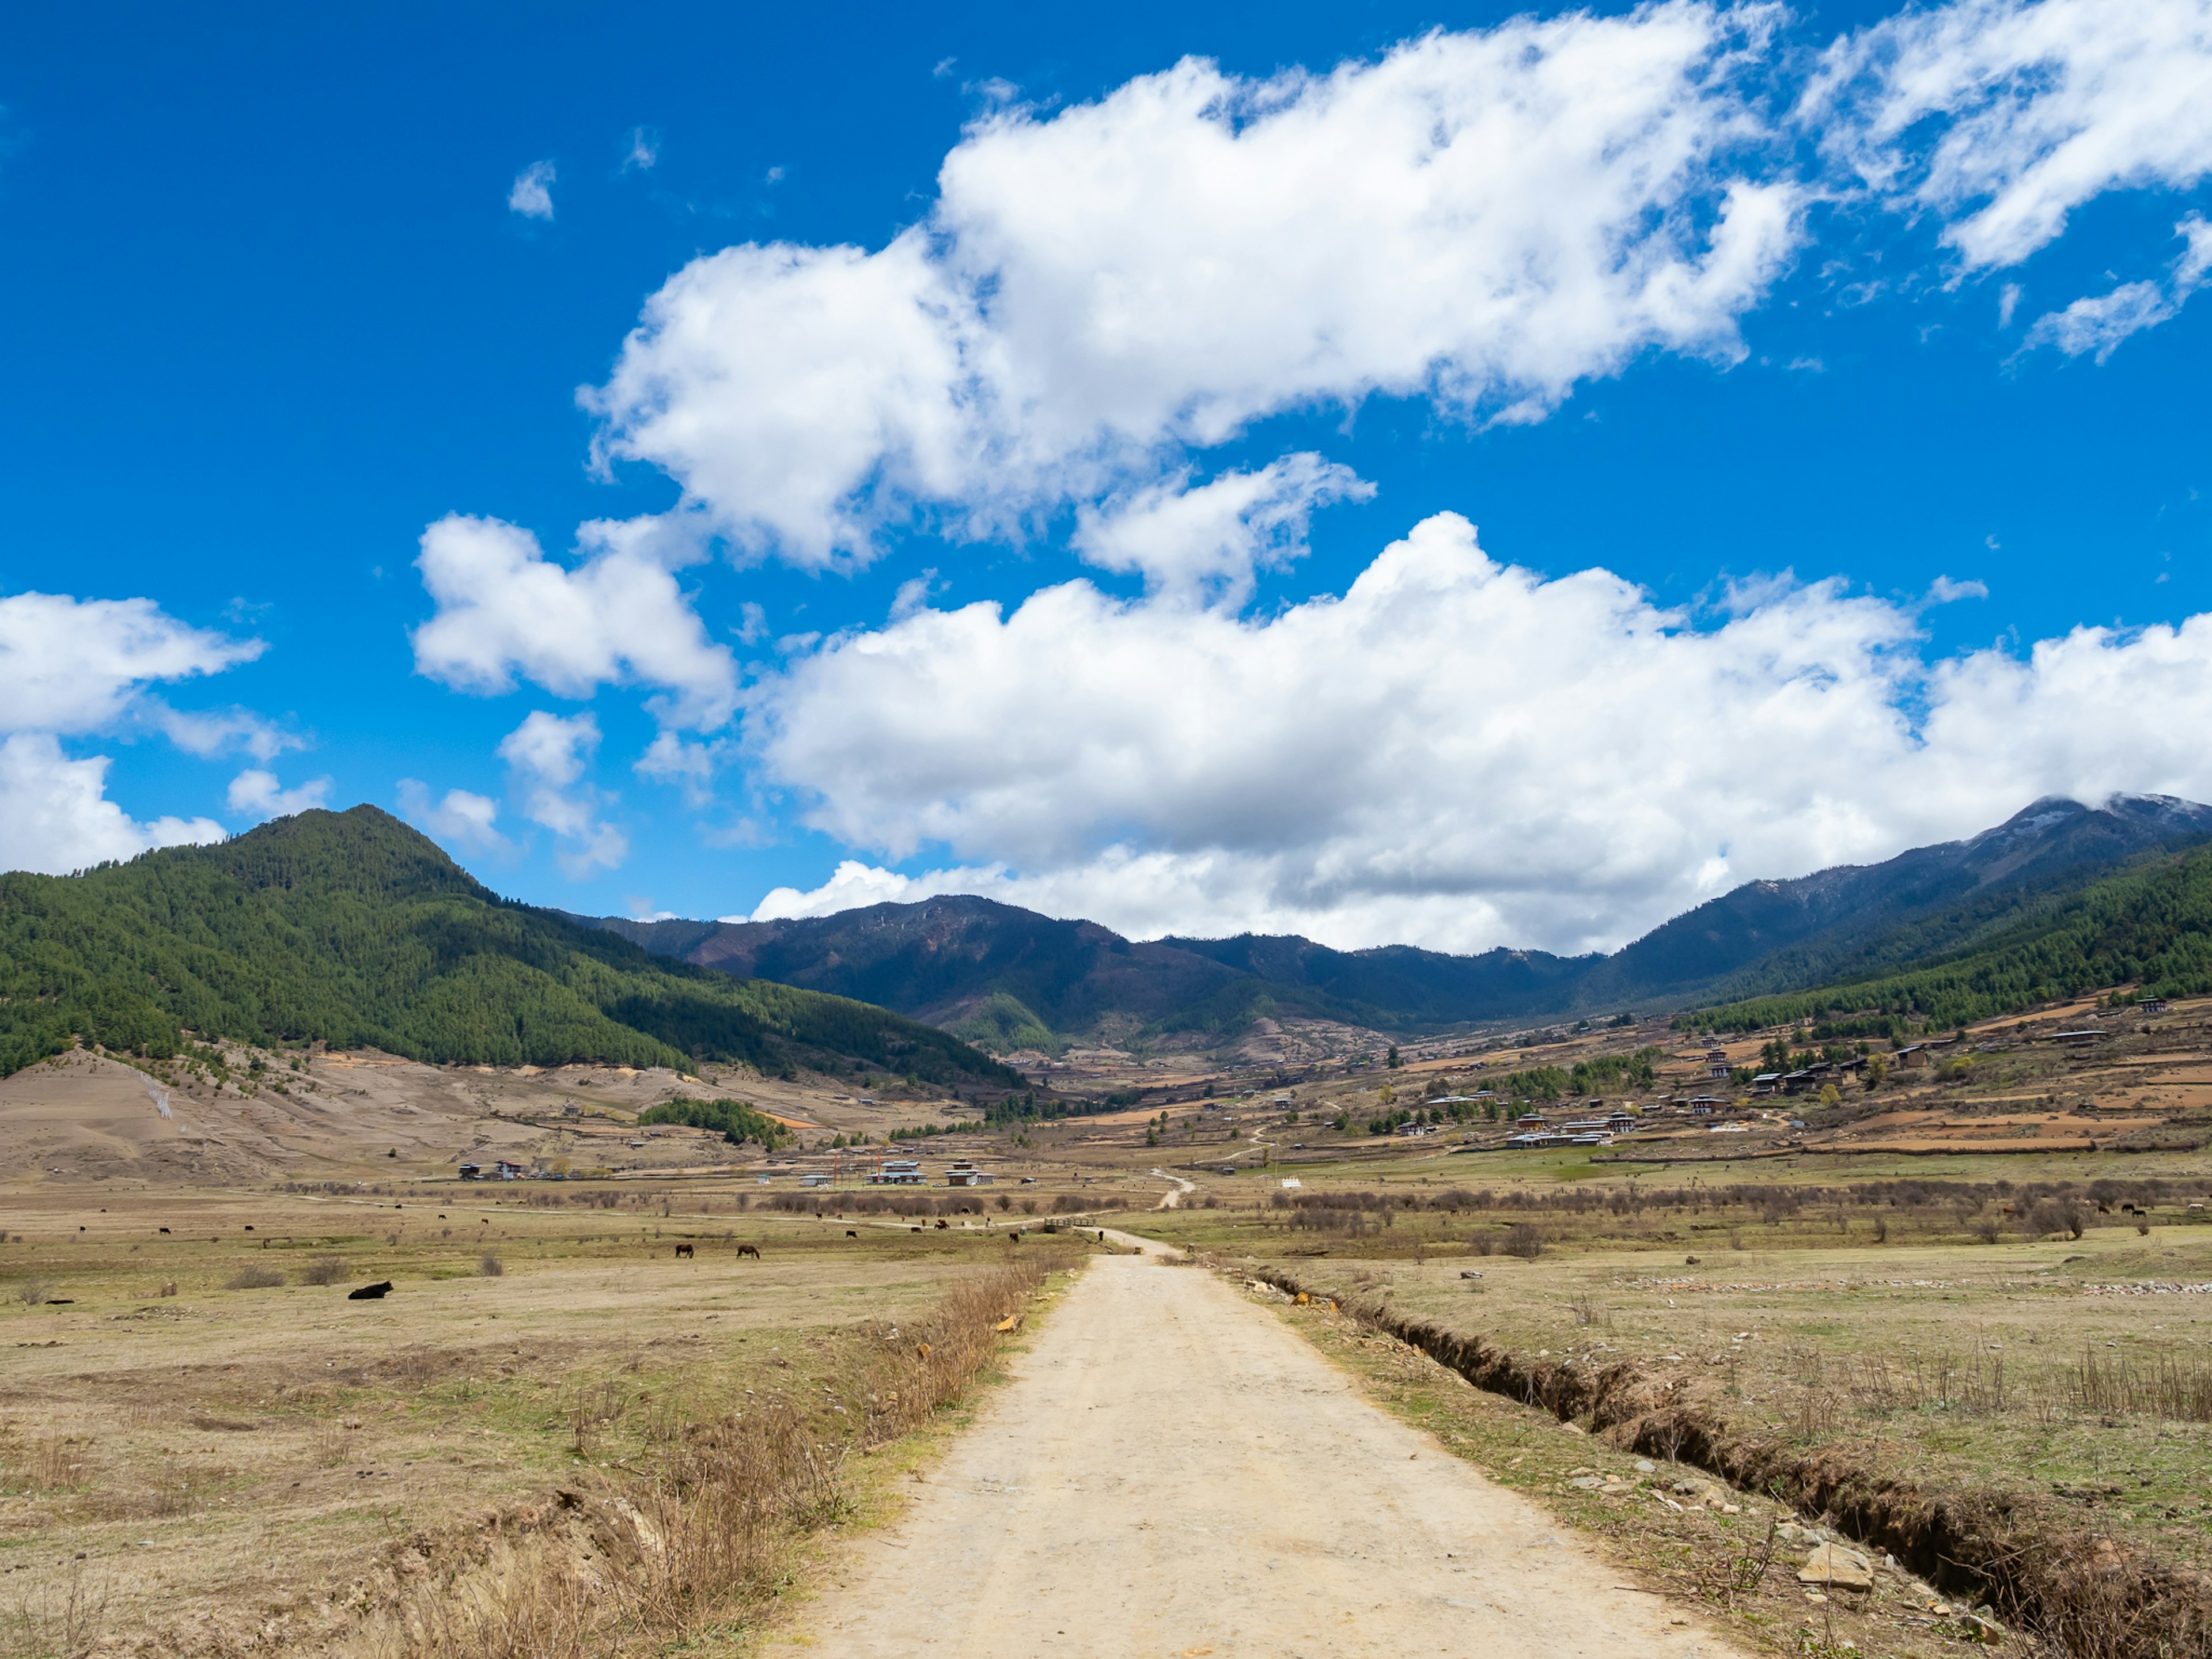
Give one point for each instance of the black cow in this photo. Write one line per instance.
(370, 1293)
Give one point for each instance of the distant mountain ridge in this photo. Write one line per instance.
(1767, 934)
(1005, 977)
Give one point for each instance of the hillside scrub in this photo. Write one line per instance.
(735, 1121)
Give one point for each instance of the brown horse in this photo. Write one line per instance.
(752, 1250)
(683, 1252)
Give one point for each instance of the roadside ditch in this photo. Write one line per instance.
(2042, 1571)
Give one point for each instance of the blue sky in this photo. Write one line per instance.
(281, 298)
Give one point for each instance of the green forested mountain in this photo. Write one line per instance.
(2151, 927)
(351, 928)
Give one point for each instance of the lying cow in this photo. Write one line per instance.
(370, 1293)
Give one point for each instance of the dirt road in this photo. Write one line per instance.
(1173, 1472)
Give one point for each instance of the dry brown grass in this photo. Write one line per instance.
(695, 1541)
(65, 1620)
(258, 1468)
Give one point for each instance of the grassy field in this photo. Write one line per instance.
(1976, 1287)
(207, 1447)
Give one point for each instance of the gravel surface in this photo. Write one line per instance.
(1173, 1472)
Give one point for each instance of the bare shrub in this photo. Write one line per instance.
(1525, 1240)
(597, 1405)
(34, 1291)
(2055, 1215)
(256, 1277)
(54, 1464)
(1722, 1576)
(331, 1446)
(490, 1265)
(1985, 1230)
(56, 1621)
(2167, 1386)
(326, 1270)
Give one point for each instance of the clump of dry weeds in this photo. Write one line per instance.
(59, 1621)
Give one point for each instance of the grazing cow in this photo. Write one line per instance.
(164, 1230)
(914, 1229)
(370, 1293)
(752, 1250)
(1015, 1236)
(851, 1233)
(683, 1252)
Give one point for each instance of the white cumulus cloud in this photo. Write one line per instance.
(55, 816)
(505, 610)
(1482, 218)
(462, 818)
(1207, 543)
(257, 793)
(70, 667)
(1454, 752)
